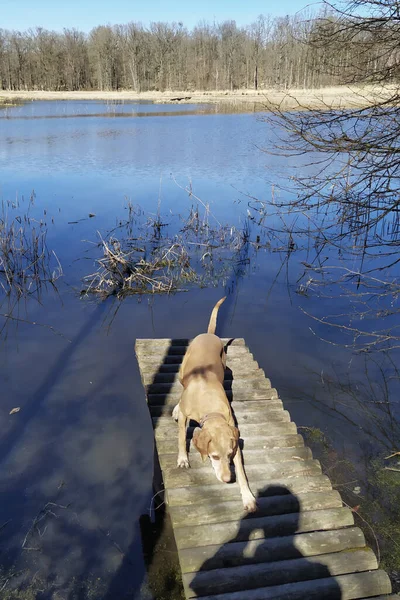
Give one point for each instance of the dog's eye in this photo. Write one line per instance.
(214, 457)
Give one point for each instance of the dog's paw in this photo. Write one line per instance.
(175, 412)
(182, 462)
(249, 503)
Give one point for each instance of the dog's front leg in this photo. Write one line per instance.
(249, 502)
(183, 461)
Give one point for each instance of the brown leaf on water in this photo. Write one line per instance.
(15, 410)
(356, 508)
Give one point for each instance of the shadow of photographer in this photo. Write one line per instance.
(266, 558)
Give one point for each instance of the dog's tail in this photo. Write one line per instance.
(213, 319)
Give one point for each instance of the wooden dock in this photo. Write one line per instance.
(301, 544)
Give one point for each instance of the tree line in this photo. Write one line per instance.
(271, 52)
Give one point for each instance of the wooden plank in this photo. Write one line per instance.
(252, 418)
(176, 359)
(274, 455)
(248, 577)
(149, 366)
(233, 510)
(166, 342)
(158, 353)
(219, 492)
(168, 444)
(245, 364)
(246, 429)
(267, 550)
(176, 477)
(238, 396)
(341, 587)
(236, 385)
(247, 414)
(241, 409)
(260, 527)
(153, 375)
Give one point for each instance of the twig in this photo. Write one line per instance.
(378, 551)
(392, 455)
(5, 524)
(18, 319)
(42, 514)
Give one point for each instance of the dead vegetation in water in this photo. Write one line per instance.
(140, 256)
(26, 264)
(123, 271)
(28, 268)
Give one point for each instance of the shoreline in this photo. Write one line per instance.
(323, 98)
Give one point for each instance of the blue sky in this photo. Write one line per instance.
(85, 14)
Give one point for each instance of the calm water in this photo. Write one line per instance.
(83, 438)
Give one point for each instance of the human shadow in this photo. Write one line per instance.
(267, 555)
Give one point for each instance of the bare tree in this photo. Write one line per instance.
(352, 201)
(294, 51)
(258, 32)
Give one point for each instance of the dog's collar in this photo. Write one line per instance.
(212, 415)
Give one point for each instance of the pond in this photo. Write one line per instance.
(82, 438)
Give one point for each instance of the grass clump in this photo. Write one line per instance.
(26, 264)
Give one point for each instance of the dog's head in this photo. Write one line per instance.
(219, 441)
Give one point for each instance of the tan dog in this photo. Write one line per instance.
(204, 400)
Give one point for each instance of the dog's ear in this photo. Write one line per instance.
(234, 438)
(201, 439)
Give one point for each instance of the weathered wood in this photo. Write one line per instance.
(238, 396)
(274, 455)
(233, 510)
(246, 429)
(149, 377)
(248, 577)
(260, 527)
(176, 359)
(241, 409)
(267, 550)
(159, 353)
(150, 366)
(168, 444)
(166, 342)
(301, 544)
(176, 477)
(219, 492)
(341, 587)
(151, 374)
(247, 367)
(236, 385)
(252, 417)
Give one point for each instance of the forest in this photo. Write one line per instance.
(285, 52)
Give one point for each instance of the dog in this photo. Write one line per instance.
(204, 400)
